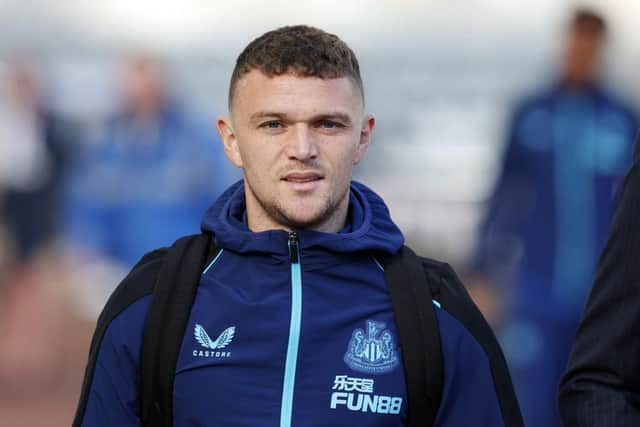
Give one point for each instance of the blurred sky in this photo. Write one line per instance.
(224, 27)
(441, 76)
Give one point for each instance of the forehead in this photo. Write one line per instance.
(290, 93)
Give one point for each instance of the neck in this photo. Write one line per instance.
(576, 80)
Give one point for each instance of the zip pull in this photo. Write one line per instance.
(293, 247)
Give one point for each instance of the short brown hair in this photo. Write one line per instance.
(303, 50)
(589, 20)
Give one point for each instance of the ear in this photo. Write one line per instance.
(368, 123)
(229, 140)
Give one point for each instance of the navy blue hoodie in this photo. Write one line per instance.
(292, 329)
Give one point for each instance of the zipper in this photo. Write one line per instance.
(286, 409)
(294, 255)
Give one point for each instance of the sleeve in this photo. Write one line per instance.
(89, 214)
(111, 389)
(468, 392)
(602, 384)
(507, 207)
(476, 382)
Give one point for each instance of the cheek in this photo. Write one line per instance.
(342, 161)
(359, 154)
(258, 155)
(352, 153)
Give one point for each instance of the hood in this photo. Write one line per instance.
(369, 226)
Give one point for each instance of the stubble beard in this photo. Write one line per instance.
(277, 212)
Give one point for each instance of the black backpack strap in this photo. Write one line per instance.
(173, 296)
(418, 333)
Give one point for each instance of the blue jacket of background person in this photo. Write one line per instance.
(244, 304)
(142, 183)
(567, 151)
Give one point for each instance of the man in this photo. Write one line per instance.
(112, 213)
(295, 304)
(568, 149)
(602, 384)
(34, 149)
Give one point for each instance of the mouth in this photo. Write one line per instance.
(301, 177)
(303, 181)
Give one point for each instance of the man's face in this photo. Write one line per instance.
(297, 140)
(582, 55)
(143, 86)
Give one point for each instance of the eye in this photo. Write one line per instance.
(329, 124)
(271, 124)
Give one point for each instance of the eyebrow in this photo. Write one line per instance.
(335, 115)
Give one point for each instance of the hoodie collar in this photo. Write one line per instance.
(368, 228)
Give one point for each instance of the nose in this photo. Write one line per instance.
(302, 144)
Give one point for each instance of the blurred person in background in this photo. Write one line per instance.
(568, 148)
(34, 146)
(33, 151)
(146, 179)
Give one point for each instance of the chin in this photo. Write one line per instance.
(301, 222)
(311, 212)
(307, 218)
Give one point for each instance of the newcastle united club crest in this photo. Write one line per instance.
(373, 351)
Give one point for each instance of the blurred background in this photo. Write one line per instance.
(503, 129)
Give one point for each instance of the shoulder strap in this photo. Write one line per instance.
(173, 296)
(418, 333)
